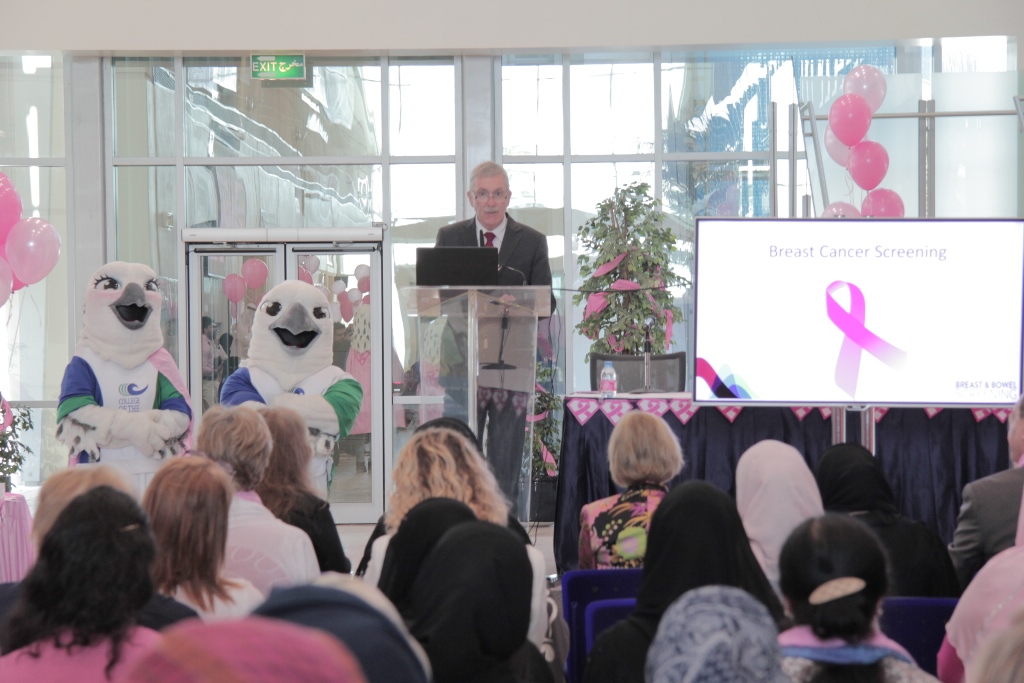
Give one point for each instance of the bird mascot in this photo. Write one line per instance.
(290, 365)
(122, 400)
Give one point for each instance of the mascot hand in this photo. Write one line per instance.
(141, 431)
(176, 423)
(314, 409)
(79, 437)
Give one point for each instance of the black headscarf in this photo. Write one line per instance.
(697, 539)
(422, 528)
(851, 480)
(469, 606)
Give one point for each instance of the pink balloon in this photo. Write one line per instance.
(366, 299)
(305, 275)
(310, 262)
(346, 308)
(17, 284)
(839, 152)
(840, 210)
(868, 82)
(849, 118)
(10, 209)
(6, 282)
(32, 249)
(354, 295)
(882, 204)
(234, 288)
(254, 272)
(868, 164)
(364, 284)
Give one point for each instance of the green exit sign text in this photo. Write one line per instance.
(279, 67)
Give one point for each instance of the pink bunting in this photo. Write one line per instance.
(625, 286)
(596, 303)
(610, 266)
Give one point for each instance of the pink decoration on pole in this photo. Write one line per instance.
(234, 288)
(596, 303)
(868, 82)
(305, 275)
(840, 210)
(32, 249)
(363, 284)
(882, 204)
(254, 272)
(10, 209)
(839, 152)
(625, 286)
(849, 117)
(868, 164)
(6, 282)
(610, 266)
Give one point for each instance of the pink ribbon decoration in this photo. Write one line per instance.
(610, 266)
(549, 461)
(625, 286)
(596, 302)
(519, 401)
(668, 329)
(8, 413)
(654, 406)
(616, 345)
(981, 413)
(614, 409)
(826, 413)
(801, 412)
(932, 412)
(682, 409)
(583, 409)
(880, 413)
(858, 338)
(537, 418)
(730, 412)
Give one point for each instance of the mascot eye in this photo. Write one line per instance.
(106, 283)
(151, 286)
(274, 308)
(319, 312)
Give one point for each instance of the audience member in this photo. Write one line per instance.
(359, 616)
(715, 634)
(643, 455)
(287, 491)
(852, 482)
(1001, 660)
(834, 578)
(75, 619)
(56, 492)
(253, 650)
(696, 539)
(187, 503)
(987, 521)
(775, 491)
(260, 548)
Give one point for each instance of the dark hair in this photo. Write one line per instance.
(285, 482)
(456, 425)
(825, 548)
(91, 577)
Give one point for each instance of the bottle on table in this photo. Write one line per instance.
(609, 380)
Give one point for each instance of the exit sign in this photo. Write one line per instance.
(279, 67)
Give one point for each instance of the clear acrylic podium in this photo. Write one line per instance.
(478, 361)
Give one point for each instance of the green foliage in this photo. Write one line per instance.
(629, 222)
(12, 450)
(547, 431)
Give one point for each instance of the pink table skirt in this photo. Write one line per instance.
(16, 550)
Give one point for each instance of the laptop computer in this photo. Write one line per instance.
(456, 266)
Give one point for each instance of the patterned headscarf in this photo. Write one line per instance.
(715, 634)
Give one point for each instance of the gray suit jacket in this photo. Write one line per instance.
(523, 254)
(987, 523)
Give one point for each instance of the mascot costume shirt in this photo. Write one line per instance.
(122, 399)
(290, 365)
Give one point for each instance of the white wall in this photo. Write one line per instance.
(418, 26)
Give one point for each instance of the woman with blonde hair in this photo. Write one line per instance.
(643, 455)
(187, 502)
(287, 491)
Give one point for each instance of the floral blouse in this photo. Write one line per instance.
(613, 530)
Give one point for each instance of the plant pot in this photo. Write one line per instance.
(542, 499)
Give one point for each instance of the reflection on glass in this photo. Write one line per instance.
(422, 108)
(612, 108)
(726, 188)
(531, 109)
(336, 112)
(593, 183)
(143, 107)
(282, 196)
(32, 113)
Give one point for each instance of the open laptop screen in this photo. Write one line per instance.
(456, 266)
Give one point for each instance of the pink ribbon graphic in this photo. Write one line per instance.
(583, 409)
(858, 337)
(614, 409)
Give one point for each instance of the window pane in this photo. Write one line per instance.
(335, 112)
(282, 196)
(612, 108)
(31, 106)
(531, 109)
(422, 109)
(143, 107)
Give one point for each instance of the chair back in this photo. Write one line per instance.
(668, 371)
(601, 614)
(580, 587)
(919, 625)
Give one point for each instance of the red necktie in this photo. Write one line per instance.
(488, 238)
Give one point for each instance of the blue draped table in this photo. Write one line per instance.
(927, 456)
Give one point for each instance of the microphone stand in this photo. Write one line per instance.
(501, 364)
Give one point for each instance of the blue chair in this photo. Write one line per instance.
(919, 625)
(601, 614)
(580, 587)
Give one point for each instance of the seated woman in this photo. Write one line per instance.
(643, 455)
(75, 619)
(287, 491)
(851, 481)
(187, 503)
(696, 539)
(833, 577)
(1001, 660)
(775, 491)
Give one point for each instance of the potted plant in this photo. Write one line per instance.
(547, 437)
(626, 268)
(12, 450)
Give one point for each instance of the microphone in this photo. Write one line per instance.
(514, 270)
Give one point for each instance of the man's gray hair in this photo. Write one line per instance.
(487, 169)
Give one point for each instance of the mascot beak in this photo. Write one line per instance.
(296, 329)
(131, 308)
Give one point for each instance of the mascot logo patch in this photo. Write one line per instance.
(131, 389)
(130, 400)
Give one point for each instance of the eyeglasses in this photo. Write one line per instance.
(484, 195)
